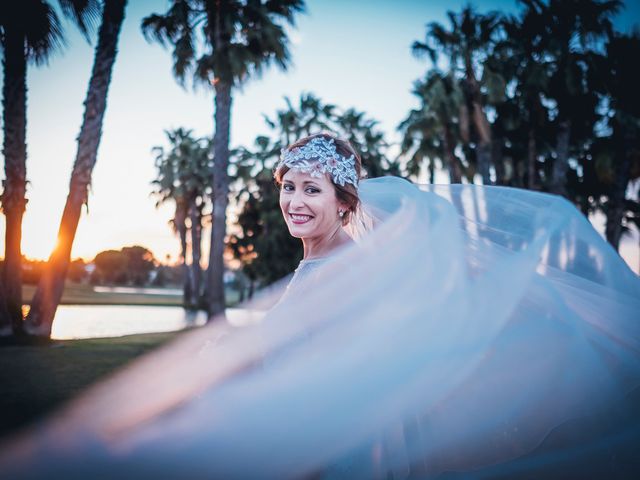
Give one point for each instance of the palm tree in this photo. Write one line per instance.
(521, 59)
(30, 31)
(575, 31)
(433, 127)
(49, 291)
(621, 79)
(197, 202)
(369, 142)
(418, 146)
(241, 38)
(168, 188)
(466, 45)
(183, 174)
(310, 116)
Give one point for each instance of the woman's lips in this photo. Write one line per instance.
(299, 219)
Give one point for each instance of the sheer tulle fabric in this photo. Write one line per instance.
(470, 330)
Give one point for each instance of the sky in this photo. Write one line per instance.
(351, 53)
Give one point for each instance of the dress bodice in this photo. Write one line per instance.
(307, 269)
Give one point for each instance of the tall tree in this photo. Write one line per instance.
(520, 56)
(576, 31)
(466, 45)
(49, 292)
(183, 178)
(310, 116)
(30, 31)
(433, 128)
(621, 80)
(168, 187)
(241, 39)
(369, 142)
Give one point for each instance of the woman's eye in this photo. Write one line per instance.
(312, 190)
(287, 188)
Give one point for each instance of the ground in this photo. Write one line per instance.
(37, 379)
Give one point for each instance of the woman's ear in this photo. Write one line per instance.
(344, 212)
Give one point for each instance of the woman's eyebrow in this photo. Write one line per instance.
(306, 182)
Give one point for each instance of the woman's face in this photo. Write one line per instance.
(309, 205)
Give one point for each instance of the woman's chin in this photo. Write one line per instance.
(299, 230)
(296, 232)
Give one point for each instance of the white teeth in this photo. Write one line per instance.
(300, 218)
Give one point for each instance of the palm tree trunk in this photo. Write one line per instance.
(196, 271)
(215, 297)
(615, 210)
(484, 142)
(51, 285)
(484, 162)
(498, 161)
(480, 122)
(455, 172)
(14, 106)
(223, 83)
(179, 221)
(463, 116)
(432, 171)
(561, 165)
(532, 181)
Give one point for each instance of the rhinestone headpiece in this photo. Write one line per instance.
(319, 156)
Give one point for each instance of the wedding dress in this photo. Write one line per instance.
(470, 332)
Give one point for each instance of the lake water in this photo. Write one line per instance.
(94, 321)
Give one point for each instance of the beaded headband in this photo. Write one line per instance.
(319, 156)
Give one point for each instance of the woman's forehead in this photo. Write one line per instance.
(297, 176)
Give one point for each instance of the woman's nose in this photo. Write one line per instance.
(297, 200)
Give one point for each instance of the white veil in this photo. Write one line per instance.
(481, 331)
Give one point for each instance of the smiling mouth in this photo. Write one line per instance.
(300, 219)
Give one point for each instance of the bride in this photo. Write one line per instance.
(439, 331)
(318, 178)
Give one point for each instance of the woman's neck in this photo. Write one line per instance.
(325, 246)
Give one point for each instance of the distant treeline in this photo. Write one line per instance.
(135, 266)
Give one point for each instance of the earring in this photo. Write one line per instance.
(341, 213)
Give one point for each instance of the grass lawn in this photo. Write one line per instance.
(36, 379)
(81, 294)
